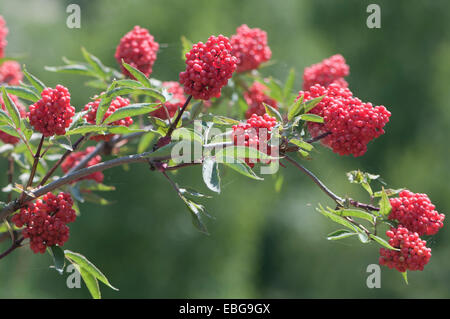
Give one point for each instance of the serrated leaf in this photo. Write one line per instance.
(141, 77)
(5, 118)
(210, 173)
(26, 128)
(58, 258)
(132, 110)
(13, 111)
(241, 167)
(195, 110)
(128, 83)
(301, 144)
(337, 219)
(77, 118)
(192, 192)
(120, 129)
(382, 242)
(35, 82)
(85, 264)
(340, 234)
(145, 142)
(23, 93)
(238, 152)
(223, 120)
(196, 210)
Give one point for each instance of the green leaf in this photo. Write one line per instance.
(145, 142)
(311, 118)
(355, 213)
(13, 111)
(187, 45)
(123, 90)
(234, 152)
(241, 167)
(87, 129)
(340, 234)
(289, 85)
(195, 110)
(35, 82)
(385, 204)
(162, 152)
(273, 112)
(131, 110)
(337, 219)
(388, 191)
(279, 183)
(210, 172)
(77, 118)
(85, 264)
(138, 75)
(5, 118)
(58, 258)
(129, 83)
(301, 144)
(309, 105)
(295, 109)
(79, 69)
(96, 64)
(119, 129)
(90, 281)
(23, 93)
(192, 192)
(382, 242)
(9, 130)
(26, 128)
(196, 210)
(219, 119)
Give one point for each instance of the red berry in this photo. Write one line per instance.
(255, 98)
(208, 68)
(413, 253)
(416, 212)
(331, 70)
(45, 221)
(52, 114)
(10, 73)
(137, 48)
(352, 123)
(3, 34)
(6, 138)
(74, 158)
(170, 107)
(250, 48)
(117, 103)
(256, 133)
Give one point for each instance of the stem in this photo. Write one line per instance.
(175, 123)
(318, 137)
(35, 163)
(319, 183)
(14, 245)
(10, 175)
(67, 153)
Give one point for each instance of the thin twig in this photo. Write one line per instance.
(173, 126)
(67, 153)
(16, 244)
(37, 156)
(318, 137)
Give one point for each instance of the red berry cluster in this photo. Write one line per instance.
(254, 133)
(255, 98)
(52, 114)
(10, 73)
(170, 107)
(352, 123)
(46, 221)
(250, 48)
(3, 34)
(208, 67)
(74, 158)
(413, 254)
(331, 70)
(117, 103)
(6, 138)
(416, 212)
(137, 48)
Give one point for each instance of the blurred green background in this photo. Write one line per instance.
(263, 244)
